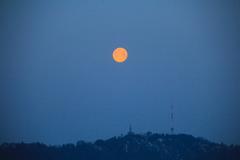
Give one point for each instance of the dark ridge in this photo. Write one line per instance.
(132, 146)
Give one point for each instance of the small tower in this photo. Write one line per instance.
(130, 132)
(172, 121)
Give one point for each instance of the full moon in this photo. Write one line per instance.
(120, 55)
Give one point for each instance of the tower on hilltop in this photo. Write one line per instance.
(130, 130)
(172, 120)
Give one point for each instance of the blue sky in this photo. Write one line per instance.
(60, 84)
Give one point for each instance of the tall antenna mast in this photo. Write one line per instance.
(172, 120)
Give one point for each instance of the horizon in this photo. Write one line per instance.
(147, 133)
(120, 136)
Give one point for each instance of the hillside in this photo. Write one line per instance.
(128, 147)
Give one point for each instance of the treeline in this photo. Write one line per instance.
(129, 147)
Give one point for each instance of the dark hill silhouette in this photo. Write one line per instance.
(129, 147)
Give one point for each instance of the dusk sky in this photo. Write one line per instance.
(59, 83)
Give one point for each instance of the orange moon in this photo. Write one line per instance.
(120, 55)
